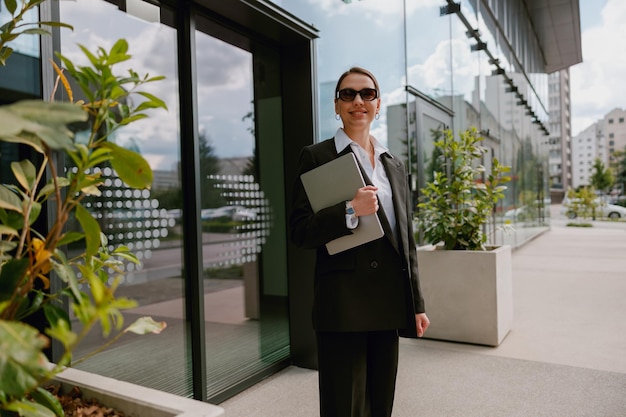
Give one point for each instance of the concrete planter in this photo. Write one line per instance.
(134, 400)
(469, 294)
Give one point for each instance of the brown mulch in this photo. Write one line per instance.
(74, 405)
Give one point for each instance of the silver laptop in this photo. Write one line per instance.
(338, 181)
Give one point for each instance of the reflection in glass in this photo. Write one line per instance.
(147, 221)
(240, 172)
(25, 45)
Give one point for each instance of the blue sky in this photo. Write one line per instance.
(598, 84)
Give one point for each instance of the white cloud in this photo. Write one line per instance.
(598, 82)
(433, 76)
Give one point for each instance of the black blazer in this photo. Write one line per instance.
(373, 286)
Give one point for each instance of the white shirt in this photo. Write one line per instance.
(376, 173)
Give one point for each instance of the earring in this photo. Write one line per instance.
(377, 116)
(337, 116)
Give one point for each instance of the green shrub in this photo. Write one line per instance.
(457, 202)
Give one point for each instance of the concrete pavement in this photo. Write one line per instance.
(565, 356)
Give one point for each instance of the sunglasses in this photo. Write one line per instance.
(349, 94)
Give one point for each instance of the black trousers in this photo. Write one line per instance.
(357, 373)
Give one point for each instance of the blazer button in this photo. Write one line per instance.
(373, 264)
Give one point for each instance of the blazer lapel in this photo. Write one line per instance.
(397, 180)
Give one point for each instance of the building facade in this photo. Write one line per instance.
(615, 136)
(600, 141)
(587, 146)
(248, 83)
(560, 139)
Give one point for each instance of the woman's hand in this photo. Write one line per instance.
(365, 201)
(422, 323)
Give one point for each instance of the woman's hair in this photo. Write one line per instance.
(357, 70)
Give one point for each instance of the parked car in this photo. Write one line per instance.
(602, 209)
(236, 213)
(619, 200)
(533, 211)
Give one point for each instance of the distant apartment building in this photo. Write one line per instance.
(560, 138)
(586, 147)
(615, 129)
(600, 140)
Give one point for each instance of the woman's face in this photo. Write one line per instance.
(358, 113)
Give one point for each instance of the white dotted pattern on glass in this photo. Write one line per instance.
(250, 211)
(129, 217)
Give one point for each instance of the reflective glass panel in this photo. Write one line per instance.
(24, 44)
(242, 216)
(146, 221)
(368, 34)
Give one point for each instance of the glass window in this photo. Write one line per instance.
(243, 207)
(368, 34)
(147, 221)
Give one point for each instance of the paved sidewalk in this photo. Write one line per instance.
(565, 357)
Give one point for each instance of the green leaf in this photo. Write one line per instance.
(35, 211)
(49, 113)
(47, 121)
(29, 409)
(62, 332)
(8, 125)
(70, 237)
(12, 219)
(157, 102)
(98, 290)
(48, 400)
(11, 6)
(11, 274)
(56, 24)
(67, 275)
(120, 47)
(131, 167)
(92, 58)
(146, 325)
(133, 118)
(26, 138)
(50, 188)
(156, 78)
(54, 314)
(22, 362)
(6, 230)
(35, 31)
(131, 257)
(5, 53)
(91, 228)
(25, 173)
(9, 200)
(32, 304)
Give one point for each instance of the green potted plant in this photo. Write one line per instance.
(459, 202)
(467, 283)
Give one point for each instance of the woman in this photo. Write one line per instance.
(367, 296)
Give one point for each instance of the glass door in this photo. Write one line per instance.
(240, 174)
(146, 221)
(242, 207)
